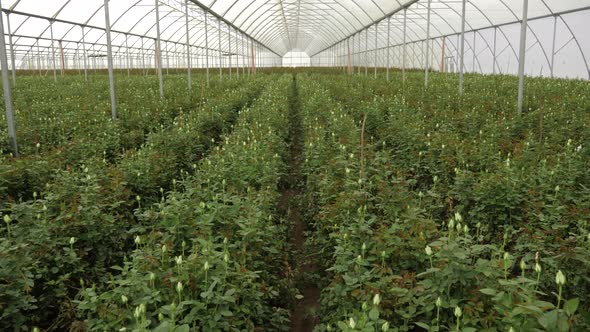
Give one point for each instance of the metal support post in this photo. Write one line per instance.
(159, 49)
(388, 46)
(188, 49)
(522, 54)
(220, 52)
(462, 47)
(376, 42)
(110, 59)
(427, 58)
(12, 58)
(53, 52)
(494, 51)
(207, 45)
(7, 91)
(553, 45)
(405, 46)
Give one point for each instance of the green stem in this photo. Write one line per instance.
(559, 297)
(437, 318)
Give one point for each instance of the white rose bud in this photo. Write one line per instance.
(179, 287)
(560, 278)
(458, 312)
(376, 299)
(351, 323)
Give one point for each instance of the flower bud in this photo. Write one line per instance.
(451, 224)
(522, 265)
(206, 266)
(72, 240)
(179, 287)
(385, 327)
(537, 268)
(351, 323)
(560, 278)
(376, 299)
(458, 312)
(7, 218)
(124, 299)
(164, 248)
(438, 302)
(137, 240)
(428, 251)
(136, 313)
(178, 260)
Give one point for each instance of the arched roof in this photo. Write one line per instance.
(279, 25)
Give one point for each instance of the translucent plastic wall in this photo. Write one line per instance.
(42, 35)
(64, 34)
(557, 39)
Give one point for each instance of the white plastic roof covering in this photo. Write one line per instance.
(281, 25)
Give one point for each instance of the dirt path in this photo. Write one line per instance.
(303, 316)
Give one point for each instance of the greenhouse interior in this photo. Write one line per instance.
(295, 165)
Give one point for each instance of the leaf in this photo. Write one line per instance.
(343, 326)
(226, 313)
(374, 314)
(549, 320)
(164, 327)
(399, 291)
(423, 325)
(182, 328)
(571, 306)
(488, 291)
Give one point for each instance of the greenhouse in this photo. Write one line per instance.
(295, 165)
